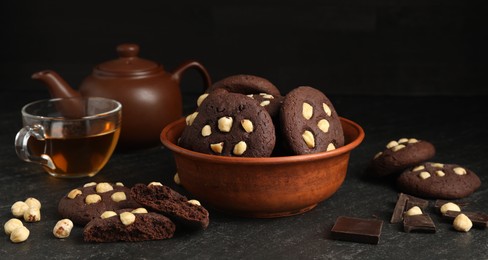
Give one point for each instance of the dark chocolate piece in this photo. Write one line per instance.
(404, 203)
(414, 201)
(419, 223)
(479, 219)
(357, 230)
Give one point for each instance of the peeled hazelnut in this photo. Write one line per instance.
(62, 229)
(190, 118)
(19, 234)
(176, 178)
(418, 168)
(267, 96)
(194, 202)
(127, 218)
(201, 98)
(218, 147)
(264, 103)
(307, 110)
(240, 148)
(391, 144)
(33, 203)
(12, 224)
(412, 140)
(250, 95)
(377, 155)
(139, 211)
(108, 214)
(462, 223)
(403, 140)
(18, 209)
(155, 183)
(450, 207)
(119, 184)
(206, 131)
(327, 109)
(73, 193)
(225, 124)
(459, 171)
(398, 147)
(413, 211)
(440, 173)
(424, 175)
(247, 125)
(32, 215)
(330, 147)
(323, 125)
(89, 184)
(309, 139)
(93, 198)
(118, 196)
(437, 165)
(103, 187)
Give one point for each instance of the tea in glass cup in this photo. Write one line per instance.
(69, 137)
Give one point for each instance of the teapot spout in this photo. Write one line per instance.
(58, 88)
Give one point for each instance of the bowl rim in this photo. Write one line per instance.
(261, 160)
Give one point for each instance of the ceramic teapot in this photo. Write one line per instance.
(150, 96)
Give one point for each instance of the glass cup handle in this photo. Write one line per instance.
(22, 150)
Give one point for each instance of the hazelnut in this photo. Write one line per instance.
(307, 110)
(449, 207)
(33, 202)
(108, 214)
(32, 215)
(264, 103)
(118, 196)
(250, 95)
(440, 173)
(89, 184)
(327, 109)
(323, 125)
(415, 210)
(437, 165)
(103, 187)
(18, 209)
(194, 202)
(247, 125)
(62, 229)
(139, 211)
(19, 234)
(119, 184)
(398, 147)
(73, 193)
(403, 140)
(412, 140)
(424, 175)
(225, 124)
(218, 147)
(459, 171)
(93, 198)
(391, 144)
(206, 131)
(127, 218)
(309, 139)
(201, 98)
(190, 118)
(12, 224)
(176, 179)
(267, 96)
(418, 168)
(330, 147)
(377, 155)
(155, 183)
(462, 223)
(240, 148)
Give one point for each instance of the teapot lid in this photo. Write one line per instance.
(128, 63)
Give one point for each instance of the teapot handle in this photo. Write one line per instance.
(193, 64)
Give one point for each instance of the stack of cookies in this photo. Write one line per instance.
(246, 116)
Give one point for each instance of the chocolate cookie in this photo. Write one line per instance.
(229, 124)
(128, 226)
(83, 204)
(170, 203)
(309, 122)
(401, 154)
(438, 181)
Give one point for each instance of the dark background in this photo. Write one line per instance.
(342, 47)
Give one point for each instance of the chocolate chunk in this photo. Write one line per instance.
(419, 223)
(479, 219)
(357, 230)
(404, 203)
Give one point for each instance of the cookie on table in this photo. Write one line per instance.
(83, 204)
(128, 226)
(401, 154)
(229, 124)
(164, 200)
(438, 181)
(260, 89)
(309, 122)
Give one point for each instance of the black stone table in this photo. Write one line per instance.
(455, 125)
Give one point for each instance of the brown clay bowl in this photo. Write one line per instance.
(262, 187)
